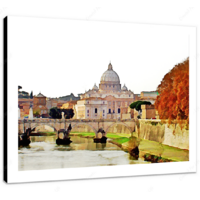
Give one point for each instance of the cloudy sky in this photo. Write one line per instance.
(59, 56)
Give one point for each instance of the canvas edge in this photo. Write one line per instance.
(5, 81)
(193, 170)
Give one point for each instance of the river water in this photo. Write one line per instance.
(44, 153)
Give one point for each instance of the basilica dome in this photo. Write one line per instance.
(110, 75)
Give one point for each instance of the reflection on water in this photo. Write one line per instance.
(44, 153)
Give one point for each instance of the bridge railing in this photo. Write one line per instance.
(42, 120)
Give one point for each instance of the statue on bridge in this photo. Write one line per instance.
(24, 139)
(101, 139)
(66, 139)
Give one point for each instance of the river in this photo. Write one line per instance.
(44, 153)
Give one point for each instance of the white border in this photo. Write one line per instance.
(15, 176)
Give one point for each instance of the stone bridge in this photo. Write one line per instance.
(58, 124)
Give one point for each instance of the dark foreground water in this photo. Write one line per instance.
(44, 153)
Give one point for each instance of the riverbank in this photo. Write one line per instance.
(160, 150)
(149, 150)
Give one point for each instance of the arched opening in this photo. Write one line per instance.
(44, 129)
(119, 128)
(83, 128)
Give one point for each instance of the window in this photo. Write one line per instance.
(88, 111)
(118, 110)
(103, 111)
(95, 110)
(129, 95)
(103, 102)
(88, 102)
(113, 111)
(109, 111)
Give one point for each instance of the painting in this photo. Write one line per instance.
(95, 99)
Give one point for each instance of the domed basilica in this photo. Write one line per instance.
(109, 101)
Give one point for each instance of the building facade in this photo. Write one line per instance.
(59, 102)
(39, 105)
(109, 100)
(149, 96)
(24, 105)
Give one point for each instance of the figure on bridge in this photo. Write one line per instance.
(66, 139)
(66, 133)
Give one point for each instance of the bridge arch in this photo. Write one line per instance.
(87, 124)
(118, 123)
(36, 125)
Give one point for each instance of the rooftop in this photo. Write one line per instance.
(40, 95)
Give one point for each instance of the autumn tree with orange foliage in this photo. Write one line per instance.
(172, 102)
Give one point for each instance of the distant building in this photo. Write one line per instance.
(39, 105)
(137, 97)
(24, 106)
(24, 102)
(70, 97)
(58, 102)
(69, 105)
(148, 112)
(149, 96)
(91, 108)
(109, 101)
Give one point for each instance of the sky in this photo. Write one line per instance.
(58, 57)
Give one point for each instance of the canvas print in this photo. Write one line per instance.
(95, 94)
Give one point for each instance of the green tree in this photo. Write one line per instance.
(56, 113)
(137, 105)
(69, 113)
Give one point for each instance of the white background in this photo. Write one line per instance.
(57, 57)
(183, 186)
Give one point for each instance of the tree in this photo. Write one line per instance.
(173, 99)
(69, 113)
(31, 95)
(55, 113)
(36, 113)
(137, 105)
